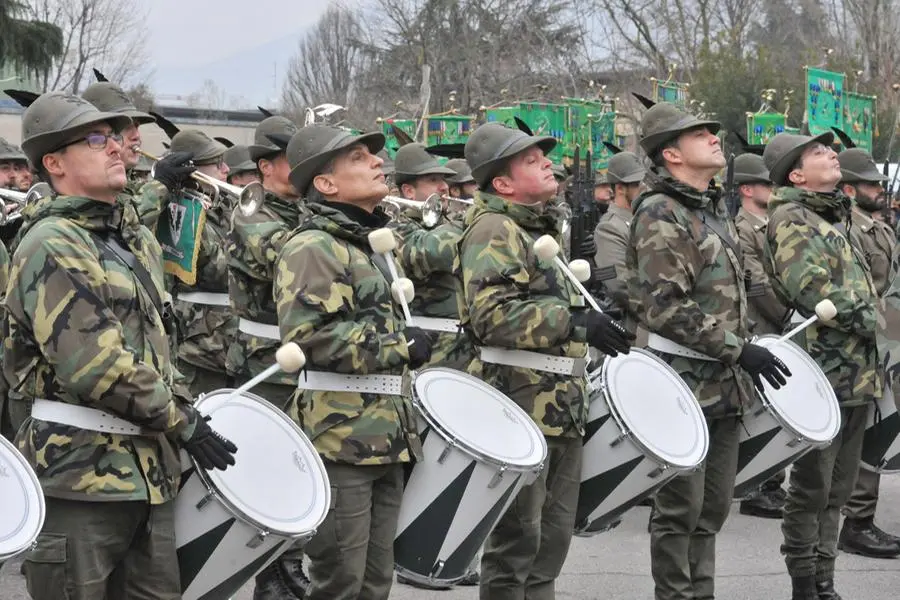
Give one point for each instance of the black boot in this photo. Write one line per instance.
(825, 589)
(804, 588)
(884, 535)
(762, 505)
(270, 585)
(858, 536)
(293, 575)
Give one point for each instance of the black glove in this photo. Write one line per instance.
(208, 448)
(588, 250)
(418, 343)
(759, 362)
(607, 335)
(173, 169)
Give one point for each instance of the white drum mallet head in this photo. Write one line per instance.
(826, 310)
(382, 240)
(581, 269)
(290, 357)
(403, 290)
(546, 248)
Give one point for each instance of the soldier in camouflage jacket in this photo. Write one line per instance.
(85, 337)
(335, 302)
(686, 286)
(512, 302)
(813, 259)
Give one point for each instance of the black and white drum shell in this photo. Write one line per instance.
(881, 444)
(480, 448)
(22, 507)
(786, 424)
(230, 524)
(644, 428)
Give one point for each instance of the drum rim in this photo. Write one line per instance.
(776, 413)
(31, 476)
(213, 489)
(461, 444)
(617, 417)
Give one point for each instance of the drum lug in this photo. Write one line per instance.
(451, 444)
(622, 437)
(795, 442)
(658, 471)
(437, 569)
(257, 540)
(205, 500)
(497, 478)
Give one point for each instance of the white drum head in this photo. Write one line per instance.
(278, 481)
(657, 407)
(807, 405)
(22, 515)
(480, 418)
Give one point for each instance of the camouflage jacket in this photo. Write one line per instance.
(427, 257)
(813, 260)
(336, 304)
(768, 314)
(686, 284)
(81, 329)
(253, 247)
(510, 300)
(876, 241)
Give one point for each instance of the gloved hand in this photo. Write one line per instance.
(759, 362)
(588, 250)
(208, 448)
(419, 346)
(174, 169)
(607, 334)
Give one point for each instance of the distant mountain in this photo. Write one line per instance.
(254, 76)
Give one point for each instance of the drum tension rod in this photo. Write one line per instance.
(451, 444)
(257, 540)
(658, 471)
(209, 497)
(497, 478)
(622, 437)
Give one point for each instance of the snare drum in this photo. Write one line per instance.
(644, 428)
(23, 509)
(480, 449)
(881, 444)
(230, 524)
(804, 414)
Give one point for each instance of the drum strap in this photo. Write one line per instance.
(83, 417)
(561, 365)
(207, 298)
(436, 324)
(667, 346)
(338, 382)
(260, 330)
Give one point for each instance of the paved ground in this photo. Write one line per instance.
(616, 565)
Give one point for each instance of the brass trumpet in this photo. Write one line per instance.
(432, 209)
(250, 198)
(21, 200)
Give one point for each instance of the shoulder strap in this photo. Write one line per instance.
(720, 229)
(130, 260)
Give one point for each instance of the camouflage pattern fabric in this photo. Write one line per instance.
(510, 300)
(813, 260)
(81, 329)
(253, 247)
(427, 257)
(686, 284)
(768, 314)
(337, 305)
(150, 199)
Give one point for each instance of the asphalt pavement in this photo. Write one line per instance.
(616, 565)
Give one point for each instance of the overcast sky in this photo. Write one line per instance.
(243, 45)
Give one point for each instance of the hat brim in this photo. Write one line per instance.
(36, 147)
(870, 175)
(633, 177)
(779, 171)
(258, 151)
(305, 171)
(211, 152)
(139, 117)
(460, 179)
(242, 167)
(485, 171)
(653, 142)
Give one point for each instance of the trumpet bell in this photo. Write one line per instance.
(251, 198)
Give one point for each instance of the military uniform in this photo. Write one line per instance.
(84, 333)
(768, 313)
(813, 260)
(511, 302)
(876, 241)
(239, 162)
(11, 160)
(335, 301)
(253, 246)
(686, 285)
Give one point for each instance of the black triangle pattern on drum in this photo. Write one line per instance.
(458, 562)
(594, 426)
(878, 440)
(201, 547)
(185, 475)
(750, 448)
(596, 489)
(233, 584)
(419, 553)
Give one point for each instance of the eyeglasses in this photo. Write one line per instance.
(95, 140)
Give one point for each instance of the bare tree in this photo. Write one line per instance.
(210, 97)
(327, 61)
(103, 34)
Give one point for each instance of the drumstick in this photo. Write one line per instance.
(289, 358)
(383, 242)
(546, 248)
(825, 311)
